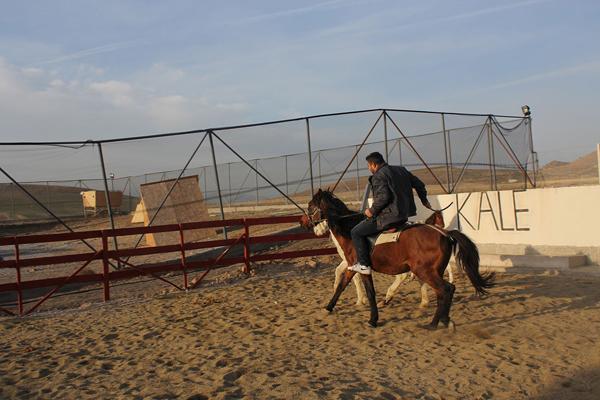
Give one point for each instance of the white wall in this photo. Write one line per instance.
(568, 216)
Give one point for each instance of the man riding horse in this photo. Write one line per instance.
(393, 203)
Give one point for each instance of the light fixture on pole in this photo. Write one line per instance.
(112, 181)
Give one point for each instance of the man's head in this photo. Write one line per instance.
(375, 161)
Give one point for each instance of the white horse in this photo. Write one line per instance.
(322, 228)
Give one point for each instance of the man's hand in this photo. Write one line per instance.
(369, 213)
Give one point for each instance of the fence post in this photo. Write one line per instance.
(385, 136)
(246, 247)
(18, 267)
(312, 185)
(287, 190)
(105, 277)
(108, 202)
(12, 201)
(357, 177)
(256, 180)
(183, 259)
(446, 154)
(319, 167)
(400, 151)
(129, 187)
(229, 182)
(214, 160)
(491, 155)
(534, 154)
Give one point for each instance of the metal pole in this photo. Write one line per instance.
(533, 155)
(357, 178)
(287, 191)
(214, 159)
(400, 150)
(108, 202)
(129, 185)
(319, 166)
(312, 186)
(450, 161)
(385, 136)
(491, 154)
(446, 153)
(256, 179)
(12, 201)
(357, 151)
(229, 182)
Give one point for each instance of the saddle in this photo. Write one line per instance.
(391, 234)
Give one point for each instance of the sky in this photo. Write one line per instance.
(104, 69)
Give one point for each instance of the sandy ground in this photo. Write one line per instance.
(267, 336)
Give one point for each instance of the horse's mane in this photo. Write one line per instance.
(339, 217)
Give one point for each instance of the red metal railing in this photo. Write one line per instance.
(122, 255)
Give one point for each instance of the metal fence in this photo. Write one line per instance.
(264, 168)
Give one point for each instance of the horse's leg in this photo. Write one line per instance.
(361, 295)
(391, 292)
(449, 294)
(370, 289)
(424, 295)
(338, 291)
(339, 272)
(450, 273)
(443, 293)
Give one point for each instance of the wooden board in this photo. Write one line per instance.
(97, 199)
(184, 204)
(138, 214)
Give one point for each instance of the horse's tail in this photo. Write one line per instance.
(467, 257)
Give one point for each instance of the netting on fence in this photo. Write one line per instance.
(258, 170)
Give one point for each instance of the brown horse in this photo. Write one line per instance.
(422, 249)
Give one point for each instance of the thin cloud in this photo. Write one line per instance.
(357, 29)
(299, 10)
(565, 71)
(87, 53)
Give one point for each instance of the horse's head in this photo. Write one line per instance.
(316, 207)
(436, 219)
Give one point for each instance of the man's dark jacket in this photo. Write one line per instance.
(393, 199)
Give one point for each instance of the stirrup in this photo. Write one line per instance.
(361, 269)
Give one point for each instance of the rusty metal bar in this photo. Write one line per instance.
(64, 282)
(216, 261)
(183, 258)
(18, 270)
(105, 278)
(246, 247)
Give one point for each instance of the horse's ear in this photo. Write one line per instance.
(319, 191)
(329, 188)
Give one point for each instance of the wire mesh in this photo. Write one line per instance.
(264, 169)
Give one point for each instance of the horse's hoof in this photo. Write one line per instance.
(423, 305)
(373, 324)
(428, 327)
(451, 327)
(329, 309)
(382, 304)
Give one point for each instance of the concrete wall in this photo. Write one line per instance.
(551, 221)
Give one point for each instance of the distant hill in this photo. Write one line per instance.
(584, 167)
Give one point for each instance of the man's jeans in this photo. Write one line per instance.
(359, 234)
